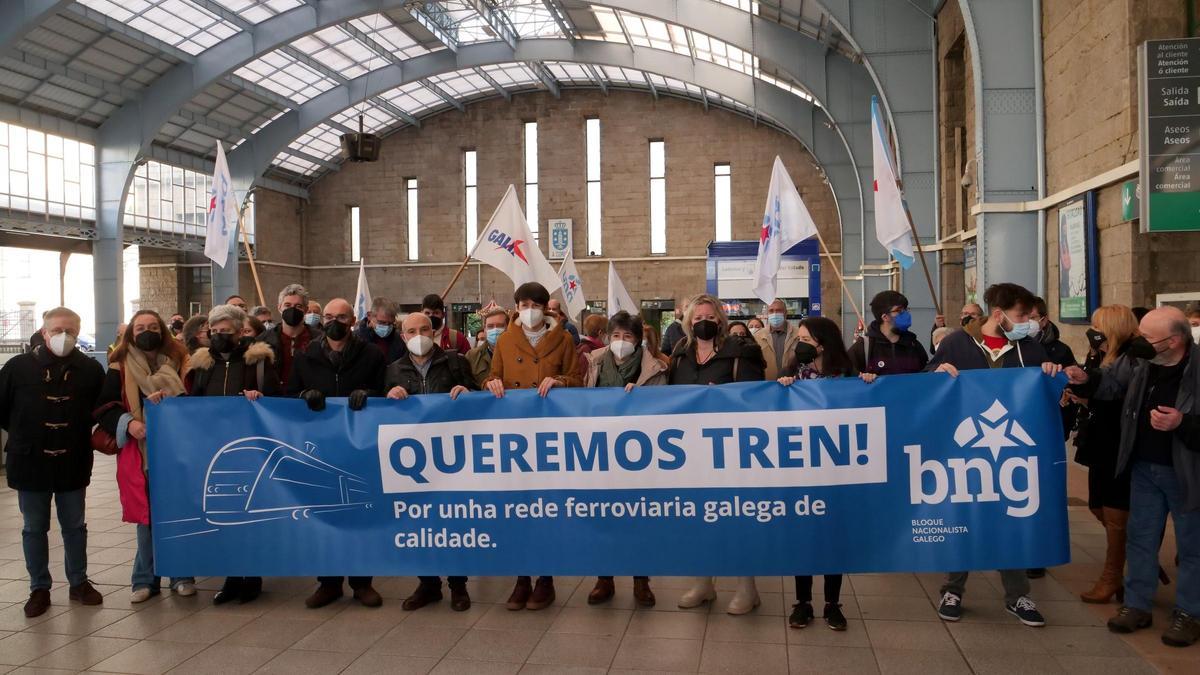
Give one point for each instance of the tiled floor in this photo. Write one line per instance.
(893, 624)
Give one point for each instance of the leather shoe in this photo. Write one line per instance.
(602, 593)
(426, 594)
(39, 602)
(520, 594)
(368, 596)
(460, 600)
(543, 594)
(86, 594)
(325, 594)
(230, 591)
(642, 594)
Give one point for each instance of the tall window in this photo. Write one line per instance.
(355, 235)
(410, 185)
(658, 197)
(471, 198)
(170, 199)
(531, 177)
(46, 174)
(724, 207)
(593, 186)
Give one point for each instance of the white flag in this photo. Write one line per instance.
(362, 297)
(891, 214)
(507, 244)
(222, 212)
(619, 298)
(572, 286)
(786, 222)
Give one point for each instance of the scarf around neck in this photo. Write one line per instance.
(613, 374)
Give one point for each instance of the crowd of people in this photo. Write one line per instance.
(1133, 405)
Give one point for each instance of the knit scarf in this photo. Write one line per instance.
(138, 377)
(613, 374)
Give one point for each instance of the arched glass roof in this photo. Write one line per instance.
(93, 56)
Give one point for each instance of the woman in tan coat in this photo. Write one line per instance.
(533, 353)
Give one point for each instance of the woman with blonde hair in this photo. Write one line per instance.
(707, 355)
(1097, 443)
(147, 366)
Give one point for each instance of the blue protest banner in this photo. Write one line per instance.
(911, 473)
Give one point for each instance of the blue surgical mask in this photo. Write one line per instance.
(383, 330)
(312, 319)
(1019, 331)
(902, 321)
(776, 320)
(493, 334)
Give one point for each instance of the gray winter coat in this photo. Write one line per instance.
(1126, 378)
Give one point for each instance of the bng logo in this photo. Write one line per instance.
(980, 478)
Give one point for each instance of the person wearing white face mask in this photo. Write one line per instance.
(46, 402)
(778, 340)
(998, 340)
(624, 363)
(533, 353)
(1193, 317)
(428, 369)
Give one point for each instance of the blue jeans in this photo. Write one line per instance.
(35, 508)
(1154, 492)
(143, 564)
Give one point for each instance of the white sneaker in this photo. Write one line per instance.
(702, 591)
(745, 599)
(186, 589)
(140, 595)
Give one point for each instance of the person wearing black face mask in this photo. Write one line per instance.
(1159, 441)
(233, 366)
(338, 365)
(707, 356)
(292, 335)
(444, 336)
(176, 324)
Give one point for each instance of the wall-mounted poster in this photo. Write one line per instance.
(1077, 287)
(970, 272)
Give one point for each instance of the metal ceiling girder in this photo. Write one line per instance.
(432, 25)
(545, 77)
(495, 85)
(1005, 137)
(497, 20)
(18, 17)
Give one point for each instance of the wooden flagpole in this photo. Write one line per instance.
(454, 279)
(937, 305)
(250, 256)
(842, 281)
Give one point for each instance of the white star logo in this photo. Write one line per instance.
(994, 439)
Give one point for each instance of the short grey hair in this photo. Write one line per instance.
(293, 289)
(382, 303)
(259, 309)
(227, 313)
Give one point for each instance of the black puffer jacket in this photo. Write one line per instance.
(46, 407)
(392, 346)
(874, 353)
(211, 375)
(359, 366)
(737, 360)
(446, 371)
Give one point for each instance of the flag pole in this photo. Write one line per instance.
(250, 254)
(454, 279)
(937, 305)
(842, 281)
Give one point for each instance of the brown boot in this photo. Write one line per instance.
(39, 602)
(427, 593)
(86, 594)
(543, 594)
(460, 600)
(325, 594)
(520, 594)
(1111, 578)
(368, 596)
(603, 591)
(642, 595)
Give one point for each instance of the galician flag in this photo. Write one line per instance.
(619, 298)
(572, 286)
(222, 212)
(362, 297)
(507, 244)
(891, 213)
(786, 222)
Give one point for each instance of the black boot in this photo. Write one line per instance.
(231, 590)
(251, 589)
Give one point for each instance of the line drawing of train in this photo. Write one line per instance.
(255, 479)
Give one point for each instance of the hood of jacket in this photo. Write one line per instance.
(203, 359)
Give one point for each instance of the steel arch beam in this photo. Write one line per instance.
(18, 17)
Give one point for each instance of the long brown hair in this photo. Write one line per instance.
(171, 347)
(1119, 326)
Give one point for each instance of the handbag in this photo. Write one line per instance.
(102, 441)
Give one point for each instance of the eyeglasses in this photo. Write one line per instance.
(340, 317)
